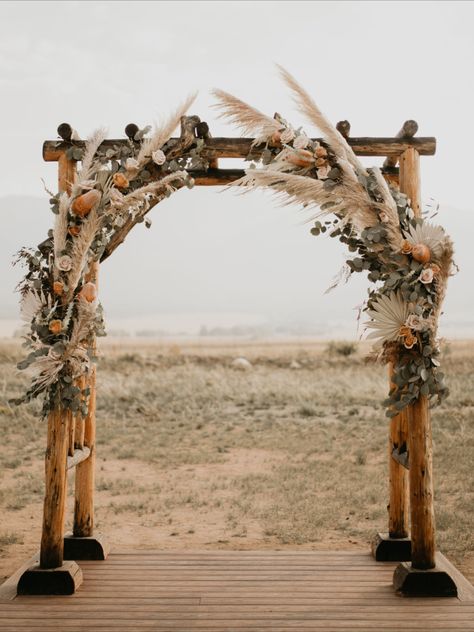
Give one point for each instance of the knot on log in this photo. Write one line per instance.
(344, 128)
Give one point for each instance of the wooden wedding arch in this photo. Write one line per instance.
(71, 441)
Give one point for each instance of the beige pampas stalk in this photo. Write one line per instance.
(88, 166)
(249, 119)
(80, 249)
(153, 188)
(60, 228)
(308, 107)
(161, 135)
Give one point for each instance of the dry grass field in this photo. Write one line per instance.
(194, 453)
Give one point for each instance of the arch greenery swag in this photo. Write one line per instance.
(406, 257)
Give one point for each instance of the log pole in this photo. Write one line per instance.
(422, 576)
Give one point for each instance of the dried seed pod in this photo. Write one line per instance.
(421, 253)
(89, 292)
(83, 204)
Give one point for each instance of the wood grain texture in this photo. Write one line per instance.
(236, 591)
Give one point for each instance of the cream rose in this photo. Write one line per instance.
(159, 157)
(131, 164)
(415, 322)
(64, 263)
(426, 276)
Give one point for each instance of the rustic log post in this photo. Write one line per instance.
(85, 471)
(53, 575)
(421, 577)
(83, 544)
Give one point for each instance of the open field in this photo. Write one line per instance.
(193, 453)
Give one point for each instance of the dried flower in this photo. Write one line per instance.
(55, 326)
(320, 152)
(58, 287)
(405, 331)
(321, 162)
(301, 141)
(383, 217)
(323, 171)
(120, 180)
(426, 276)
(406, 248)
(74, 230)
(131, 164)
(436, 269)
(410, 342)
(64, 263)
(416, 322)
(159, 157)
(287, 135)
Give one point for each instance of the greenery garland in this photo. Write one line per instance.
(408, 259)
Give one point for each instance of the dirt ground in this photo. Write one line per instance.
(194, 453)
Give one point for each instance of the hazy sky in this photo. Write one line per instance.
(374, 63)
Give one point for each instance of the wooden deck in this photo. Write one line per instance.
(231, 591)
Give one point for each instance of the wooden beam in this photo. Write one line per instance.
(408, 130)
(241, 147)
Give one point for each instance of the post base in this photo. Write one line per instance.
(91, 548)
(63, 580)
(433, 582)
(387, 549)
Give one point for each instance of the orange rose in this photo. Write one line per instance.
(410, 341)
(55, 326)
(120, 180)
(58, 288)
(74, 230)
(406, 248)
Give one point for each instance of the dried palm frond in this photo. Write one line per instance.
(428, 234)
(30, 305)
(60, 226)
(247, 118)
(162, 134)
(45, 371)
(308, 107)
(388, 314)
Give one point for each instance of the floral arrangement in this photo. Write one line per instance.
(113, 191)
(407, 258)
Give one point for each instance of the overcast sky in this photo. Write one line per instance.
(107, 63)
